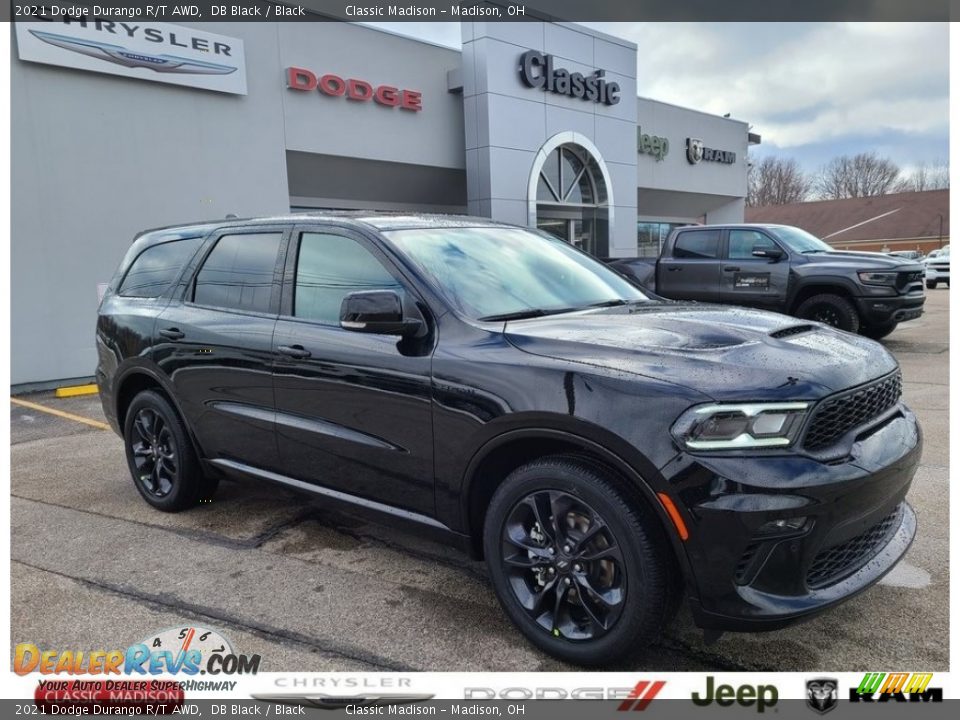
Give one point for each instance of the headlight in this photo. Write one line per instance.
(740, 426)
(878, 278)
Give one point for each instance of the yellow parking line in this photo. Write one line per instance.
(60, 413)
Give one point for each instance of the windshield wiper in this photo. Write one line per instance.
(524, 314)
(608, 303)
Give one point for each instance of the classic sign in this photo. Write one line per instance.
(537, 71)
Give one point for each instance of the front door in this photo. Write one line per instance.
(752, 281)
(353, 409)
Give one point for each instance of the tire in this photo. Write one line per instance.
(631, 562)
(932, 284)
(877, 332)
(163, 464)
(830, 309)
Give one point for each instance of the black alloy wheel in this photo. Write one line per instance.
(579, 562)
(830, 309)
(154, 453)
(564, 565)
(160, 455)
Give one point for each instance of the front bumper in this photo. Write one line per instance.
(746, 574)
(897, 308)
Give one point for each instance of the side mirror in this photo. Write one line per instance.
(767, 251)
(376, 311)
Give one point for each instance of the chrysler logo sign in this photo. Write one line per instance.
(160, 52)
(537, 71)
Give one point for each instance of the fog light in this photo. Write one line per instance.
(776, 527)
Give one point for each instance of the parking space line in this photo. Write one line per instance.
(60, 413)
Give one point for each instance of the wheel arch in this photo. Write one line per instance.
(504, 453)
(821, 286)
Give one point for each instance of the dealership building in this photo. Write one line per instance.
(122, 126)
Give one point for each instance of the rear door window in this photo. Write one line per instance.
(238, 274)
(697, 245)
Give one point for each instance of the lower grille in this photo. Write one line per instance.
(834, 564)
(836, 416)
(746, 560)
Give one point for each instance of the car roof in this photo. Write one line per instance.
(381, 221)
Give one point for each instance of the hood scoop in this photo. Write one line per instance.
(793, 330)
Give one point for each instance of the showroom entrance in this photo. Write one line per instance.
(571, 198)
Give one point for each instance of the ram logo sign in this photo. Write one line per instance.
(159, 52)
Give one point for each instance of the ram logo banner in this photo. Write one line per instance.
(822, 695)
(158, 52)
(899, 687)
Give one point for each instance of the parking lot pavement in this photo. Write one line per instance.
(311, 589)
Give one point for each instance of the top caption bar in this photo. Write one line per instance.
(432, 11)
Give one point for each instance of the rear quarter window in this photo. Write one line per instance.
(155, 269)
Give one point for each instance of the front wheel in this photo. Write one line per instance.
(876, 332)
(584, 573)
(162, 461)
(830, 309)
(932, 284)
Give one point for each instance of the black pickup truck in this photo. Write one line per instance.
(784, 269)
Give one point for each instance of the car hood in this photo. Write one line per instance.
(723, 352)
(861, 260)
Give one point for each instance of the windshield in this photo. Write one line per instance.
(800, 241)
(493, 273)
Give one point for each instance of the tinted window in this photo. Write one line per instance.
(329, 267)
(156, 268)
(742, 243)
(697, 244)
(238, 272)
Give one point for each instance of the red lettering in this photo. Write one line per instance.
(411, 100)
(332, 85)
(359, 90)
(386, 95)
(300, 79)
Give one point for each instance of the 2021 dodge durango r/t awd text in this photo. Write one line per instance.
(608, 453)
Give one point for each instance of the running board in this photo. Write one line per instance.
(343, 497)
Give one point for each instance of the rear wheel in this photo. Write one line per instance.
(830, 309)
(878, 331)
(162, 462)
(583, 573)
(932, 284)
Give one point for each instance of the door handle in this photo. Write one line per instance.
(172, 333)
(294, 351)
(674, 269)
(731, 269)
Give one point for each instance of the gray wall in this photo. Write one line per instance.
(97, 158)
(506, 122)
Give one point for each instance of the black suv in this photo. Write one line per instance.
(608, 453)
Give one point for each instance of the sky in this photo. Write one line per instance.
(813, 91)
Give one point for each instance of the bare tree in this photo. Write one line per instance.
(776, 181)
(935, 176)
(861, 175)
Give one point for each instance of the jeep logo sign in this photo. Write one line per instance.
(653, 145)
(537, 71)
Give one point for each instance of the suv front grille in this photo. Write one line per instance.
(836, 416)
(835, 563)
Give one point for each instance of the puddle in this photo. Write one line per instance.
(906, 575)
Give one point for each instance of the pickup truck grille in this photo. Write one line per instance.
(910, 281)
(839, 414)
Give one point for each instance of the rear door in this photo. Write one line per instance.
(692, 271)
(353, 409)
(215, 342)
(752, 281)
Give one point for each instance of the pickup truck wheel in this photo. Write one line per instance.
(582, 572)
(932, 284)
(830, 309)
(878, 331)
(162, 462)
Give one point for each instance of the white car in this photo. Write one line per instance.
(938, 269)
